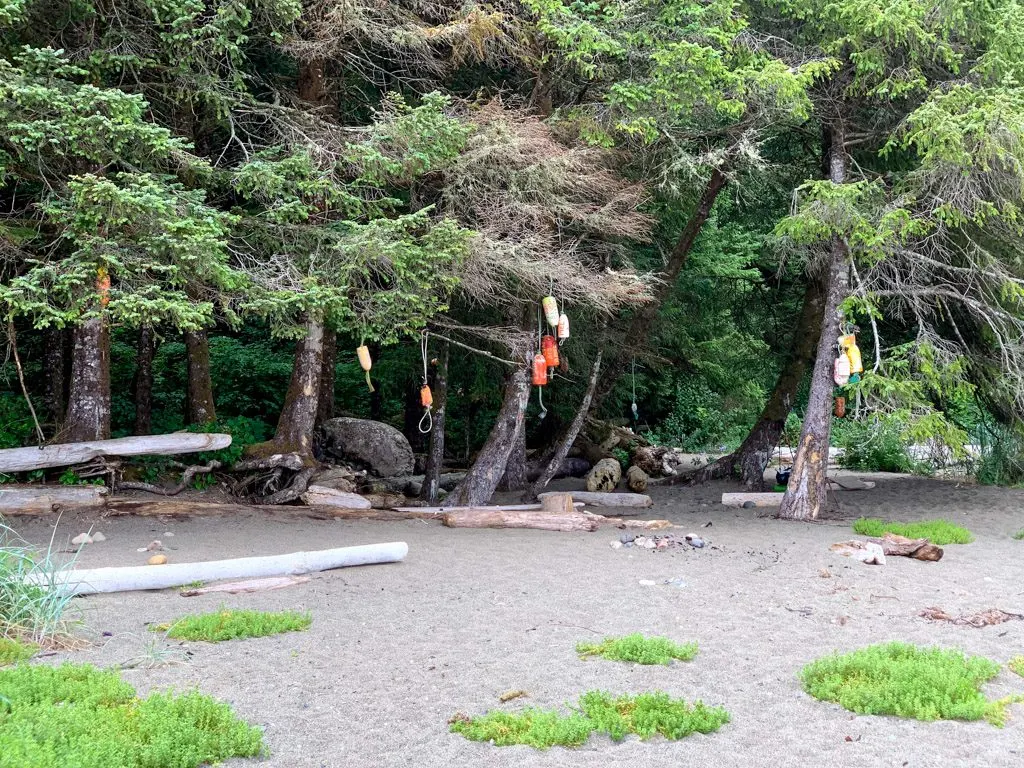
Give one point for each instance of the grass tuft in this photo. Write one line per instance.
(938, 532)
(235, 625)
(644, 715)
(32, 603)
(1017, 665)
(1019, 535)
(906, 681)
(638, 649)
(54, 717)
(12, 651)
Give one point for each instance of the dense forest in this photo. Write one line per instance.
(251, 216)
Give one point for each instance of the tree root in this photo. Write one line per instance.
(186, 479)
(716, 470)
(275, 479)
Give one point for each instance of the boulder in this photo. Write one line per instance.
(379, 447)
(604, 476)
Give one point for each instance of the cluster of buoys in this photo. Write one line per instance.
(548, 357)
(846, 369)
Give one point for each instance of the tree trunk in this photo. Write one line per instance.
(88, 413)
(807, 491)
(569, 437)
(435, 451)
(53, 363)
(482, 478)
(412, 412)
(325, 403)
(145, 352)
(199, 407)
(749, 460)
(514, 478)
(298, 415)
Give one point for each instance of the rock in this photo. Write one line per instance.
(616, 545)
(336, 478)
(626, 538)
(647, 583)
(157, 560)
(604, 476)
(380, 447)
(749, 504)
(636, 479)
(318, 495)
(694, 540)
(154, 546)
(98, 537)
(82, 538)
(168, 534)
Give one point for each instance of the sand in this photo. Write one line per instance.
(395, 650)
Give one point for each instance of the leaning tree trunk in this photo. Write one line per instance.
(749, 460)
(569, 437)
(325, 402)
(483, 477)
(298, 415)
(199, 407)
(88, 413)
(435, 451)
(808, 489)
(53, 363)
(515, 478)
(643, 320)
(145, 351)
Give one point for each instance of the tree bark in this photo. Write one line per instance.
(483, 477)
(199, 406)
(298, 415)
(749, 460)
(643, 320)
(435, 450)
(88, 413)
(514, 478)
(807, 491)
(143, 387)
(54, 359)
(325, 402)
(570, 435)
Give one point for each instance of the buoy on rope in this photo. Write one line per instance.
(840, 408)
(549, 348)
(841, 371)
(550, 307)
(363, 353)
(563, 327)
(540, 371)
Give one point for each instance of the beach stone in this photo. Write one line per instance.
(605, 475)
(616, 545)
(82, 538)
(749, 505)
(380, 447)
(626, 538)
(98, 537)
(157, 560)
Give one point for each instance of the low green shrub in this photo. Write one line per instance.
(644, 715)
(906, 681)
(639, 649)
(1017, 665)
(936, 531)
(77, 715)
(12, 651)
(1019, 535)
(235, 625)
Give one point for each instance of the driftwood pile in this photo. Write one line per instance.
(875, 550)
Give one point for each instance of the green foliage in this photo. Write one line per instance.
(244, 432)
(644, 715)
(16, 428)
(70, 477)
(939, 532)
(78, 715)
(32, 604)
(639, 649)
(874, 445)
(1019, 535)
(904, 680)
(1017, 665)
(13, 651)
(235, 625)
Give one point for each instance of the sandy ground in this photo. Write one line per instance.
(395, 650)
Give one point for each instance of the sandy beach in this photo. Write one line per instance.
(396, 650)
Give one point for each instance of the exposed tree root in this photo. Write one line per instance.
(186, 479)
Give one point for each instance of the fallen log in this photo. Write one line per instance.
(66, 454)
(183, 507)
(596, 499)
(318, 495)
(557, 504)
(919, 549)
(249, 585)
(622, 522)
(750, 500)
(130, 578)
(507, 507)
(387, 500)
(46, 499)
(486, 517)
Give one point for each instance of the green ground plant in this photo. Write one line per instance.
(77, 715)
(32, 606)
(598, 712)
(937, 531)
(639, 649)
(228, 624)
(906, 681)
(1017, 665)
(1019, 535)
(12, 651)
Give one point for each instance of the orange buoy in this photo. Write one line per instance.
(549, 348)
(103, 285)
(563, 326)
(426, 398)
(540, 371)
(840, 409)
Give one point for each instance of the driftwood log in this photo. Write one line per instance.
(45, 499)
(66, 454)
(919, 549)
(249, 585)
(485, 517)
(318, 495)
(747, 500)
(596, 499)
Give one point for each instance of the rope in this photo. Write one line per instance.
(636, 415)
(540, 399)
(428, 416)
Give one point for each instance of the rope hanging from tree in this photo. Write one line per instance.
(426, 396)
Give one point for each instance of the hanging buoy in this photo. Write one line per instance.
(840, 409)
(426, 397)
(363, 353)
(540, 371)
(550, 310)
(549, 348)
(563, 327)
(841, 371)
(103, 285)
(856, 363)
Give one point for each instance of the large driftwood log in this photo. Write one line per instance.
(484, 517)
(919, 549)
(505, 507)
(125, 579)
(44, 499)
(183, 508)
(318, 495)
(608, 499)
(66, 454)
